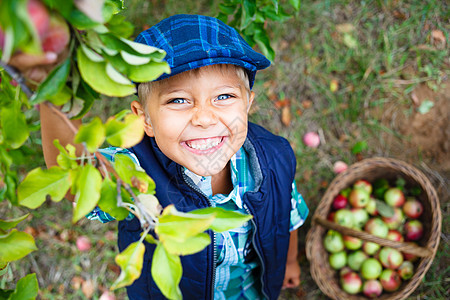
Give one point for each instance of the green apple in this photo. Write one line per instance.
(338, 260)
(371, 268)
(355, 259)
(333, 241)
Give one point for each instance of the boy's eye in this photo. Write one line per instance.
(223, 97)
(178, 101)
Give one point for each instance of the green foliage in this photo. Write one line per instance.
(15, 245)
(166, 271)
(130, 261)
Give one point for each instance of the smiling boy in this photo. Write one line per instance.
(201, 151)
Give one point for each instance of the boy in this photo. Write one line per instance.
(201, 151)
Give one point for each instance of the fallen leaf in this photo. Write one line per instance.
(87, 288)
(345, 28)
(307, 104)
(334, 85)
(438, 36)
(299, 112)
(286, 116)
(399, 15)
(414, 98)
(76, 282)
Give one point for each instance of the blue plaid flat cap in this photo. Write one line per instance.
(194, 41)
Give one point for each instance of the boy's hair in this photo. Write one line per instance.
(194, 41)
(145, 89)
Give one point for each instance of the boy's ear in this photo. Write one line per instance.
(250, 100)
(138, 110)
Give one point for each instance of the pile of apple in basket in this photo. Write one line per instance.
(365, 266)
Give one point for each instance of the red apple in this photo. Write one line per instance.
(338, 260)
(344, 217)
(413, 230)
(351, 282)
(406, 270)
(339, 167)
(352, 243)
(372, 288)
(355, 259)
(413, 208)
(396, 220)
(371, 268)
(370, 248)
(390, 258)
(83, 243)
(58, 35)
(410, 257)
(390, 280)
(331, 216)
(107, 295)
(359, 198)
(339, 202)
(395, 235)
(364, 185)
(394, 197)
(333, 241)
(376, 227)
(311, 139)
(344, 271)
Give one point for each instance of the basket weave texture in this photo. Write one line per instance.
(372, 169)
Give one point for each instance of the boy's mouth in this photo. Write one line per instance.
(205, 145)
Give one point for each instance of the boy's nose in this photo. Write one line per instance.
(204, 117)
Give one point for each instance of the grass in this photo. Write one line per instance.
(377, 52)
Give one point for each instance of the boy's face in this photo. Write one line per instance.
(199, 120)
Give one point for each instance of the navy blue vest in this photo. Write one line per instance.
(273, 167)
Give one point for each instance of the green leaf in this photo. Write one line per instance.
(4, 294)
(150, 239)
(66, 159)
(148, 72)
(225, 219)
(350, 41)
(130, 262)
(108, 200)
(88, 186)
(384, 209)
(115, 75)
(39, 183)
(190, 246)
(425, 106)
(61, 97)
(94, 73)
(15, 245)
(359, 147)
(91, 134)
(166, 272)
(180, 226)
(8, 224)
(26, 289)
(124, 134)
(295, 4)
(88, 96)
(53, 84)
(134, 59)
(14, 125)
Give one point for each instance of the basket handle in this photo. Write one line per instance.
(403, 247)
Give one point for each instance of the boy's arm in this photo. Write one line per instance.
(292, 275)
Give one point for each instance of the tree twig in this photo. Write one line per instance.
(17, 76)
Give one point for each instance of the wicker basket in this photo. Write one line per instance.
(371, 169)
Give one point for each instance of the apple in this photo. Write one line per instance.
(83, 243)
(344, 271)
(394, 197)
(390, 280)
(333, 241)
(311, 139)
(413, 208)
(406, 270)
(352, 243)
(370, 248)
(410, 257)
(351, 282)
(331, 216)
(355, 259)
(396, 220)
(107, 295)
(339, 202)
(344, 217)
(371, 207)
(376, 227)
(364, 185)
(339, 167)
(338, 260)
(58, 35)
(360, 217)
(413, 230)
(372, 288)
(371, 268)
(390, 258)
(359, 198)
(395, 235)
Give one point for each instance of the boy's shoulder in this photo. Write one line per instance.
(257, 133)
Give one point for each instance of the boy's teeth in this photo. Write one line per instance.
(204, 143)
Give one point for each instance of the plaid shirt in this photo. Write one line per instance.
(235, 267)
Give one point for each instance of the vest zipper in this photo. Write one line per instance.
(256, 250)
(213, 241)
